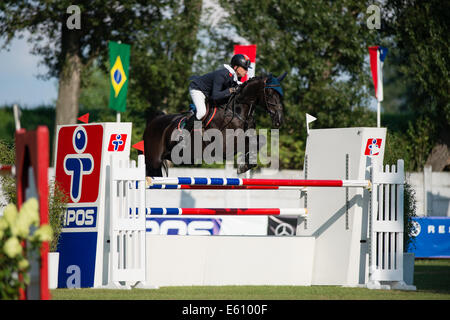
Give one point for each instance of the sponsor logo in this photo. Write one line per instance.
(78, 162)
(80, 217)
(373, 147)
(117, 142)
(183, 226)
(284, 229)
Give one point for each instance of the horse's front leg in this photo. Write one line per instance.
(249, 158)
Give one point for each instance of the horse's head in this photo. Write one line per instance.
(273, 99)
(267, 92)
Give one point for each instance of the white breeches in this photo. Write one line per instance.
(199, 100)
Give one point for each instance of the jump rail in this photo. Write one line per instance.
(197, 187)
(228, 211)
(203, 181)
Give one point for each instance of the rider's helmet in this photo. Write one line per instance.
(240, 60)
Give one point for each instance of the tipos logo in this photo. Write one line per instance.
(78, 162)
(117, 142)
(373, 147)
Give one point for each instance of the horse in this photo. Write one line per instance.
(238, 113)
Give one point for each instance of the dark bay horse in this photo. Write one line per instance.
(237, 113)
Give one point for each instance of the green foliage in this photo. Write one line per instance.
(413, 144)
(15, 228)
(420, 34)
(57, 204)
(94, 94)
(8, 183)
(7, 128)
(420, 136)
(7, 152)
(57, 199)
(323, 46)
(409, 206)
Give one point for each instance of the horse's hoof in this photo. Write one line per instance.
(241, 169)
(245, 167)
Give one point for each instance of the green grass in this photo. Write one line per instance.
(431, 277)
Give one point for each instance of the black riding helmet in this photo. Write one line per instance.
(240, 60)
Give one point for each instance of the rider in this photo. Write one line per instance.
(217, 85)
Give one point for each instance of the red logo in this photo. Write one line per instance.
(78, 161)
(373, 147)
(117, 142)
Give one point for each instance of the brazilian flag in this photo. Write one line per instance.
(119, 59)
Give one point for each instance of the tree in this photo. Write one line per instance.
(161, 33)
(420, 32)
(67, 50)
(323, 46)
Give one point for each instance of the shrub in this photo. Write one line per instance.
(17, 228)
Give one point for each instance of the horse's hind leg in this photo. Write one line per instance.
(153, 172)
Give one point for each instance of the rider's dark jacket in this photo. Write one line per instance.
(214, 85)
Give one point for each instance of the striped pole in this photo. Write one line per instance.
(209, 187)
(257, 182)
(227, 211)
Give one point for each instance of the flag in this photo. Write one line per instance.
(139, 145)
(249, 51)
(309, 119)
(119, 58)
(84, 118)
(377, 56)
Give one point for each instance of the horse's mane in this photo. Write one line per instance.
(245, 87)
(251, 80)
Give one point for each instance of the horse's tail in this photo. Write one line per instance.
(165, 168)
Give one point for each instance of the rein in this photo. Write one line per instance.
(231, 105)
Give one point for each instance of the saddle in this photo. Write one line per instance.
(210, 114)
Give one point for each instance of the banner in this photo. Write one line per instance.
(249, 51)
(119, 59)
(432, 237)
(192, 225)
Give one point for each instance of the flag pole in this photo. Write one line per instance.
(378, 114)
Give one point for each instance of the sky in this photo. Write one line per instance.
(18, 81)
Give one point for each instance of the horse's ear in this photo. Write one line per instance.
(280, 78)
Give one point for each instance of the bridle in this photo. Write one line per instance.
(251, 108)
(271, 86)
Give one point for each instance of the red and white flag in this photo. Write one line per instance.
(249, 51)
(377, 56)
